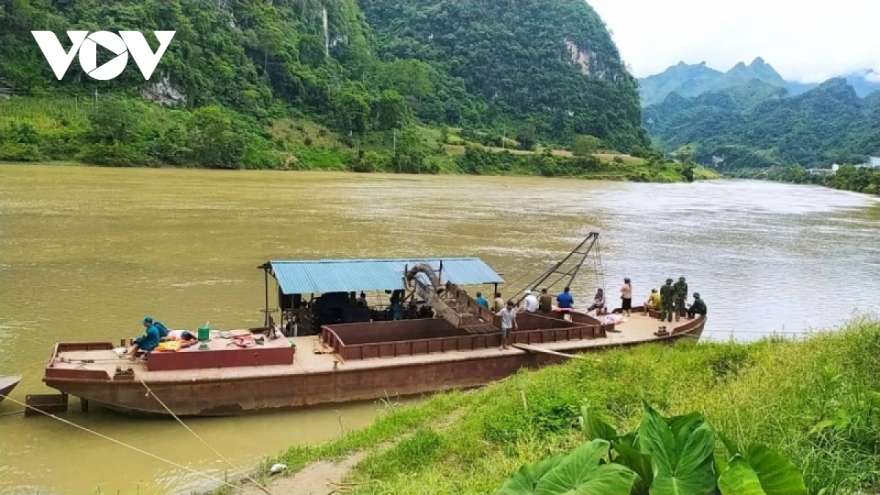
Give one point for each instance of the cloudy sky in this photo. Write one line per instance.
(805, 40)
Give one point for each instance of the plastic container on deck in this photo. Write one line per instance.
(204, 334)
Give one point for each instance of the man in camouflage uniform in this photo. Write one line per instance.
(681, 295)
(667, 300)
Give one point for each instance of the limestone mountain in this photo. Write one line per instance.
(547, 69)
(551, 65)
(694, 80)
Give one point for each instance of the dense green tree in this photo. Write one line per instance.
(583, 145)
(213, 140)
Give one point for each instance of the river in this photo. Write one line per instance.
(85, 253)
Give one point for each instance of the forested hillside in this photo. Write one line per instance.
(549, 68)
(754, 126)
(302, 83)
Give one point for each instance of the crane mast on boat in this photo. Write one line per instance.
(578, 255)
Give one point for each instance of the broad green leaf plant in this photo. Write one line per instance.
(664, 456)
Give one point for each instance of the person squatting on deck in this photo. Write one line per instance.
(681, 295)
(530, 303)
(698, 307)
(667, 299)
(626, 296)
(546, 302)
(598, 301)
(653, 301)
(508, 324)
(154, 332)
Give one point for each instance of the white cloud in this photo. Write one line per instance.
(805, 40)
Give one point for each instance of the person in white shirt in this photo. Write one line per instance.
(530, 304)
(508, 324)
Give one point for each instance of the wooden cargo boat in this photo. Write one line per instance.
(348, 361)
(7, 383)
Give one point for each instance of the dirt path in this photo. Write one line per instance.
(314, 479)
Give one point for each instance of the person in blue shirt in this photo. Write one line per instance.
(163, 331)
(564, 300)
(150, 339)
(482, 301)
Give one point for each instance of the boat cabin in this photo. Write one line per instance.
(315, 293)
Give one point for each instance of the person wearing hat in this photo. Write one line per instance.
(149, 340)
(667, 299)
(698, 307)
(681, 295)
(626, 296)
(530, 303)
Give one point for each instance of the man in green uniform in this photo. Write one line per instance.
(681, 295)
(698, 307)
(667, 300)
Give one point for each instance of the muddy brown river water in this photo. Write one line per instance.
(85, 253)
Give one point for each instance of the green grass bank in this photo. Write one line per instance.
(816, 401)
(130, 132)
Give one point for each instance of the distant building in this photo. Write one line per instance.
(874, 161)
(835, 168)
(821, 171)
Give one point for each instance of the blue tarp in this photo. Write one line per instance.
(320, 276)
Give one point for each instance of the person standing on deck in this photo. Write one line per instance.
(499, 302)
(545, 305)
(508, 324)
(681, 295)
(626, 296)
(667, 300)
(698, 307)
(530, 303)
(482, 300)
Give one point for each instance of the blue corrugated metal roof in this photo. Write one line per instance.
(320, 276)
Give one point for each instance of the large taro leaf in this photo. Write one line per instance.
(740, 479)
(778, 476)
(682, 459)
(594, 427)
(581, 472)
(635, 460)
(526, 479)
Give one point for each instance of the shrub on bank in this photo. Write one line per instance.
(816, 402)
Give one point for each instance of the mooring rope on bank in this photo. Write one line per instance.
(247, 476)
(123, 444)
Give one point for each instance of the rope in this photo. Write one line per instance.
(117, 442)
(261, 487)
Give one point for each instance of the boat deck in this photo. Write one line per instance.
(637, 329)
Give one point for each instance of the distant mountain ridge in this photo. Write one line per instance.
(690, 80)
(758, 125)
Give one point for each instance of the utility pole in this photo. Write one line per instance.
(395, 140)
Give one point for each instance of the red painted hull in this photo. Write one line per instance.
(234, 394)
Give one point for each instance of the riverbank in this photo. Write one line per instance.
(812, 400)
(128, 132)
(846, 178)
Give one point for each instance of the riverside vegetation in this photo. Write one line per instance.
(815, 402)
(327, 85)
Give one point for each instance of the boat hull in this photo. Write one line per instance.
(7, 383)
(236, 395)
